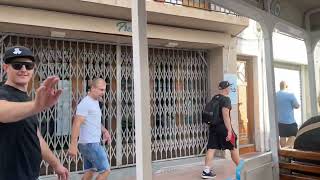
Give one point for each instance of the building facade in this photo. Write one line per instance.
(189, 53)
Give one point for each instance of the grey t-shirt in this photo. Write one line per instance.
(90, 130)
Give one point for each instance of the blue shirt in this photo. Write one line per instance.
(286, 102)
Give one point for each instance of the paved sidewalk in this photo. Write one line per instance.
(182, 169)
(186, 169)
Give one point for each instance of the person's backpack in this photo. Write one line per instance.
(210, 114)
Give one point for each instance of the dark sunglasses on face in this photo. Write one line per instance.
(19, 65)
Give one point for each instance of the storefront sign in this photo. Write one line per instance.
(124, 26)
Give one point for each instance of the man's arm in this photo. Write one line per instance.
(226, 118)
(227, 122)
(297, 106)
(295, 103)
(105, 133)
(49, 157)
(103, 129)
(46, 153)
(20, 110)
(78, 120)
(46, 96)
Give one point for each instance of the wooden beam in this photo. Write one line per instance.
(294, 177)
(301, 167)
(309, 155)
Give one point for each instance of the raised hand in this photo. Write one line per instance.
(46, 94)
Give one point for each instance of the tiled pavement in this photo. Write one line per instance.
(184, 169)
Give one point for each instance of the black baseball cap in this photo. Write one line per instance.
(17, 52)
(224, 85)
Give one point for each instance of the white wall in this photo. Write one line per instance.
(289, 50)
(248, 41)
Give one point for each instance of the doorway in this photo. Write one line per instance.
(245, 105)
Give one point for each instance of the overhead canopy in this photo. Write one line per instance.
(296, 12)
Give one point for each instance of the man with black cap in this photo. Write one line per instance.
(22, 147)
(221, 135)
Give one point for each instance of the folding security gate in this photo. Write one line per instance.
(178, 82)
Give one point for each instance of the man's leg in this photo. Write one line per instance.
(207, 173)
(88, 166)
(88, 175)
(103, 176)
(235, 156)
(101, 162)
(209, 157)
(283, 142)
(290, 141)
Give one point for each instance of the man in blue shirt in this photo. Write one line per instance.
(286, 103)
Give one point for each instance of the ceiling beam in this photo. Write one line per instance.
(248, 10)
(267, 5)
(307, 17)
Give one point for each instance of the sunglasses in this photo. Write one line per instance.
(19, 65)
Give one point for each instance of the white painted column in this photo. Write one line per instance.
(268, 27)
(119, 105)
(141, 90)
(312, 79)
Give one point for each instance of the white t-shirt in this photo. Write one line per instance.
(90, 130)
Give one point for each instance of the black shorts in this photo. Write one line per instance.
(287, 130)
(217, 138)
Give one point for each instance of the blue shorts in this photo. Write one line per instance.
(94, 157)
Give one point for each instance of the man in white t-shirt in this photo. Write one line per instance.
(87, 126)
